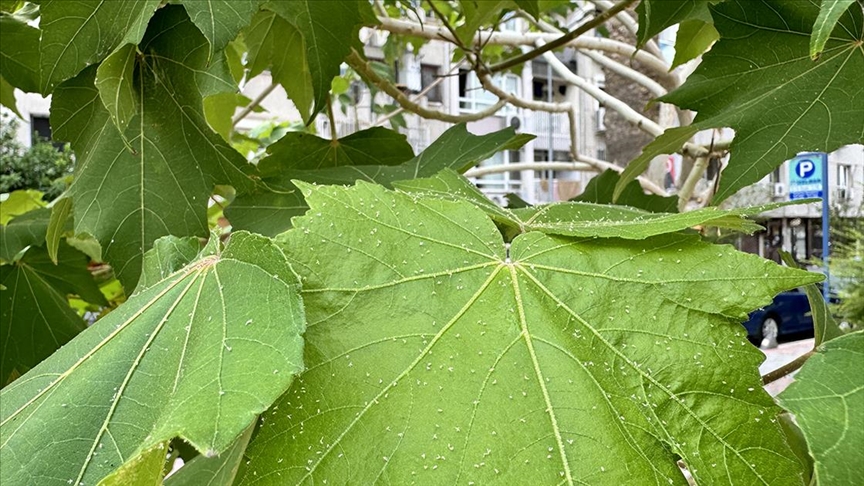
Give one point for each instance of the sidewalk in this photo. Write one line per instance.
(777, 357)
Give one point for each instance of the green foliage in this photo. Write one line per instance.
(487, 361)
(827, 399)
(780, 97)
(847, 269)
(449, 340)
(189, 356)
(41, 167)
(829, 13)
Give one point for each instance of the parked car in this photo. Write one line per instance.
(788, 314)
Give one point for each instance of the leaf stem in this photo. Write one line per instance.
(788, 368)
(334, 135)
(564, 39)
(254, 104)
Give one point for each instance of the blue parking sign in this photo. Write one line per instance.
(805, 175)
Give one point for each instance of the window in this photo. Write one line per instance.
(473, 98)
(41, 130)
(429, 75)
(842, 191)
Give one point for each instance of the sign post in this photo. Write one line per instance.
(808, 177)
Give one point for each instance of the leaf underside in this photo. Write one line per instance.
(437, 356)
(197, 355)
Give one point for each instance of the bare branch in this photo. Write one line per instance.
(562, 40)
(657, 66)
(254, 104)
(517, 166)
(362, 67)
(686, 192)
(640, 121)
(630, 24)
(414, 99)
(514, 100)
(788, 368)
(627, 72)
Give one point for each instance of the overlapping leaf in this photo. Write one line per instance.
(655, 16)
(437, 356)
(7, 96)
(35, 317)
(827, 399)
(197, 355)
(70, 37)
(120, 194)
(277, 45)
(583, 219)
(600, 190)
(759, 80)
(23, 231)
(373, 156)
(329, 31)
(829, 13)
(220, 20)
(213, 471)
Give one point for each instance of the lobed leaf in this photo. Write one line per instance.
(774, 96)
(35, 317)
(119, 194)
(827, 398)
(220, 20)
(437, 356)
(655, 16)
(198, 355)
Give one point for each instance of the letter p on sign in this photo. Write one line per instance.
(805, 168)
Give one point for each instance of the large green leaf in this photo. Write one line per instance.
(330, 31)
(70, 37)
(277, 45)
(655, 16)
(777, 99)
(220, 20)
(438, 355)
(19, 202)
(198, 355)
(827, 399)
(825, 328)
(304, 151)
(120, 195)
(35, 317)
(829, 13)
(269, 211)
(580, 218)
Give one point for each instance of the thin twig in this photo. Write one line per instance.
(363, 69)
(334, 135)
(788, 368)
(564, 39)
(254, 104)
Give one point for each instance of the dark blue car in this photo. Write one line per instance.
(788, 314)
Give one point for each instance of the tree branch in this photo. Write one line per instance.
(562, 40)
(788, 368)
(517, 166)
(254, 104)
(630, 24)
(640, 121)
(362, 68)
(626, 72)
(414, 99)
(514, 100)
(696, 173)
(657, 66)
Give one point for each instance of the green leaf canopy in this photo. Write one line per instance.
(371, 155)
(197, 355)
(655, 16)
(436, 355)
(783, 101)
(120, 192)
(35, 317)
(827, 399)
(70, 37)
